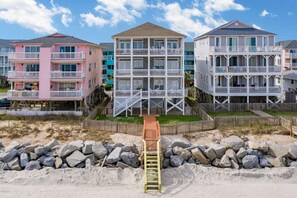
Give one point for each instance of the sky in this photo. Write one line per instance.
(97, 20)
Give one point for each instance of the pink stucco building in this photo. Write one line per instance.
(56, 72)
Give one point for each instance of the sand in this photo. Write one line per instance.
(185, 181)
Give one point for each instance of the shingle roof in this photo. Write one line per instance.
(49, 41)
(289, 44)
(8, 43)
(189, 46)
(107, 46)
(148, 29)
(225, 30)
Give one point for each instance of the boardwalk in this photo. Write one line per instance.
(151, 131)
(262, 114)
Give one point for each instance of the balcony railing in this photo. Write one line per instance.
(293, 65)
(257, 89)
(66, 94)
(238, 90)
(291, 55)
(107, 57)
(275, 89)
(235, 49)
(274, 69)
(189, 67)
(174, 51)
(23, 55)
(67, 74)
(22, 94)
(175, 92)
(157, 72)
(157, 51)
(140, 51)
(257, 69)
(189, 56)
(123, 51)
(68, 55)
(103, 76)
(157, 92)
(140, 72)
(244, 69)
(123, 72)
(174, 72)
(23, 75)
(104, 66)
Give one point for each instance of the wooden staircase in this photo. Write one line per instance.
(151, 153)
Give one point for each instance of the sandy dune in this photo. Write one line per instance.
(185, 181)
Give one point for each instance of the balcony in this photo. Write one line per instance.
(67, 74)
(107, 57)
(15, 94)
(189, 57)
(157, 93)
(178, 92)
(66, 94)
(274, 69)
(291, 65)
(175, 72)
(104, 67)
(257, 89)
(103, 76)
(275, 89)
(257, 69)
(123, 51)
(140, 51)
(157, 72)
(252, 90)
(246, 49)
(23, 75)
(178, 52)
(189, 67)
(157, 51)
(21, 56)
(123, 72)
(122, 93)
(244, 69)
(291, 55)
(68, 56)
(140, 72)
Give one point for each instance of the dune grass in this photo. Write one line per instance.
(285, 114)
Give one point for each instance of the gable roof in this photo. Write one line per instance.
(289, 44)
(189, 46)
(228, 29)
(148, 29)
(8, 42)
(107, 46)
(49, 41)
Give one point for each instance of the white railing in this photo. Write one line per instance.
(140, 51)
(23, 74)
(127, 102)
(157, 72)
(237, 69)
(189, 67)
(257, 89)
(174, 51)
(67, 74)
(223, 69)
(3, 53)
(220, 89)
(257, 69)
(189, 56)
(140, 72)
(274, 69)
(246, 49)
(107, 57)
(291, 55)
(66, 94)
(174, 72)
(122, 92)
(23, 55)
(123, 51)
(291, 64)
(238, 89)
(157, 92)
(68, 55)
(22, 94)
(175, 92)
(275, 89)
(157, 51)
(123, 72)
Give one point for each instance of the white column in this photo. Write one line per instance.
(131, 68)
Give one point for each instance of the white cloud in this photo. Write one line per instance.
(33, 15)
(257, 27)
(202, 17)
(264, 13)
(115, 11)
(290, 13)
(92, 20)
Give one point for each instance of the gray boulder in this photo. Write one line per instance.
(81, 165)
(30, 148)
(13, 145)
(92, 158)
(241, 153)
(197, 154)
(24, 144)
(234, 164)
(276, 150)
(168, 152)
(233, 142)
(185, 154)
(215, 162)
(276, 162)
(75, 158)
(225, 162)
(130, 159)
(89, 163)
(177, 150)
(114, 156)
(166, 163)
(58, 162)
(39, 150)
(66, 150)
(78, 143)
(49, 161)
(2, 154)
(33, 156)
(232, 155)
(261, 146)
(4, 166)
(122, 165)
(52, 143)
(192, 160)
(293, 164)
(87, 149)
(250, 161)
(173, 141)
(64, 165)
(292, 151)
(33, 165)
(264, 162)
(219, 149)
(99, 150)
(109, 147)
(1, 145)
(7, 157)
(176, 161)
(254, 152)
(210, 153)
(24, 159)
(130, 148)
(14, 164)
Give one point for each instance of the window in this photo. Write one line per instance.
(232, 42)
(32, 68)
(90, 67)
(137, 84)
(292, 82)
(137, 64)
(67, 48)
(265, 41)
(218, 43)
(125, 44)
(173, 84)
(159, 44)
(32, 48)
(250, 41)
(172, 44)
(159, 63)
(95, 66)
(137, 44)
(124, 64)
(124, 84)
(67, 67)
(172, 64)
(206, 61)
(66, 86)
(159, 84)
(90, 83)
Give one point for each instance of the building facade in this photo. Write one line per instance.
(189, 61)
(236, 63)
(149, 70)
(107, 63)
(56, 72)
(289, 59)
(6, 46)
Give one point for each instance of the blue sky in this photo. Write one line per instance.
(98, 20)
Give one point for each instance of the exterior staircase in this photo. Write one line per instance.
(126, 103)
(152, 154)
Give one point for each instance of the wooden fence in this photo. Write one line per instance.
(231, 121)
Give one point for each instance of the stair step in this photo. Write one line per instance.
(152, 185)
(152, 165)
